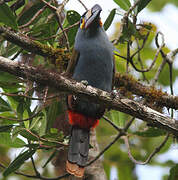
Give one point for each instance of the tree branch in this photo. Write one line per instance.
(61, 83)
(155, 95)
(156, 150)
(32, 46)
(130, 84)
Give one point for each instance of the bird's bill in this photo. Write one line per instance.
(91, 15)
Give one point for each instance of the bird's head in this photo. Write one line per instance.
(91, 18)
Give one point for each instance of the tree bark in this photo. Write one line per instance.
(95, 171)
(60, 83)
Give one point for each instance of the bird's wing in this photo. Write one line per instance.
(72, 63)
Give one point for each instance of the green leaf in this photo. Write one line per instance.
(17, 5)
(8, 78)
(25, 116)
(13, 100)
(72, 17)
(54, 110)
(18, 161)
(10, 86)
(10, 50)
(8, 114)
(124, 4)
(7, 17)
(26, 134)
(164, 75)
(53, 130)
(118, 118)
(30, 135)
(44, 30)
(5, 128)
(4, 106)
(6, 140)
(173, 173)
(28, 14)
(151, 132)
(142, 4)
(20, 109)
(128, 31)
(39, 124)
(109, 19)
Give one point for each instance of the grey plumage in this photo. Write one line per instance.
(93, 63)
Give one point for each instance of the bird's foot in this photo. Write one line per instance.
(116, 94)
(84, 82)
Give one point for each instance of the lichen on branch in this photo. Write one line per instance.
(61, 83)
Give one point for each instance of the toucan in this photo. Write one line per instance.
(92, 62)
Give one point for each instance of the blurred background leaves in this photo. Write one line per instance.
(38, 134)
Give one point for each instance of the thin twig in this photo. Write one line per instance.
(34, 17)
(106, 148)
(83, 5)
(20, 120)
(157, 149)
(132, 8)
(121, 133)
(142, 46)
(163, 62)
(169, 59)
(34, 167)
(120, 56)
(17, 54)
(43, 139)
(54, 36)
(155, 58)
(163, 56)
(128, 57)
(140, 61)
(37, 177)
(53, 8)
(29, 97)
(64, 33)
(45, 94)
(112, 124)
(57, 12)
(42, 177)
(124, 20)
(159, 71)
(129, 123)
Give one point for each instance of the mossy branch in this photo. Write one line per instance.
(63, 84)
(55, 54)
(58, 55)
(129, 83)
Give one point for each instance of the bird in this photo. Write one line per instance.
(92, 63)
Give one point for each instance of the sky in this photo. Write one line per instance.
(167, 23)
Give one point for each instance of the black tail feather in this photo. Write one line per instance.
(79, 146)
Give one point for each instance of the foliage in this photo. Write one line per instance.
(29, 124)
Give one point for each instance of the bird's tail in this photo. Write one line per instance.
(78, 151)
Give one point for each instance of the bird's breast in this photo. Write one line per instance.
(95, 63)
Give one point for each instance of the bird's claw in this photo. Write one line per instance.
(115, 93)
(84, 82)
